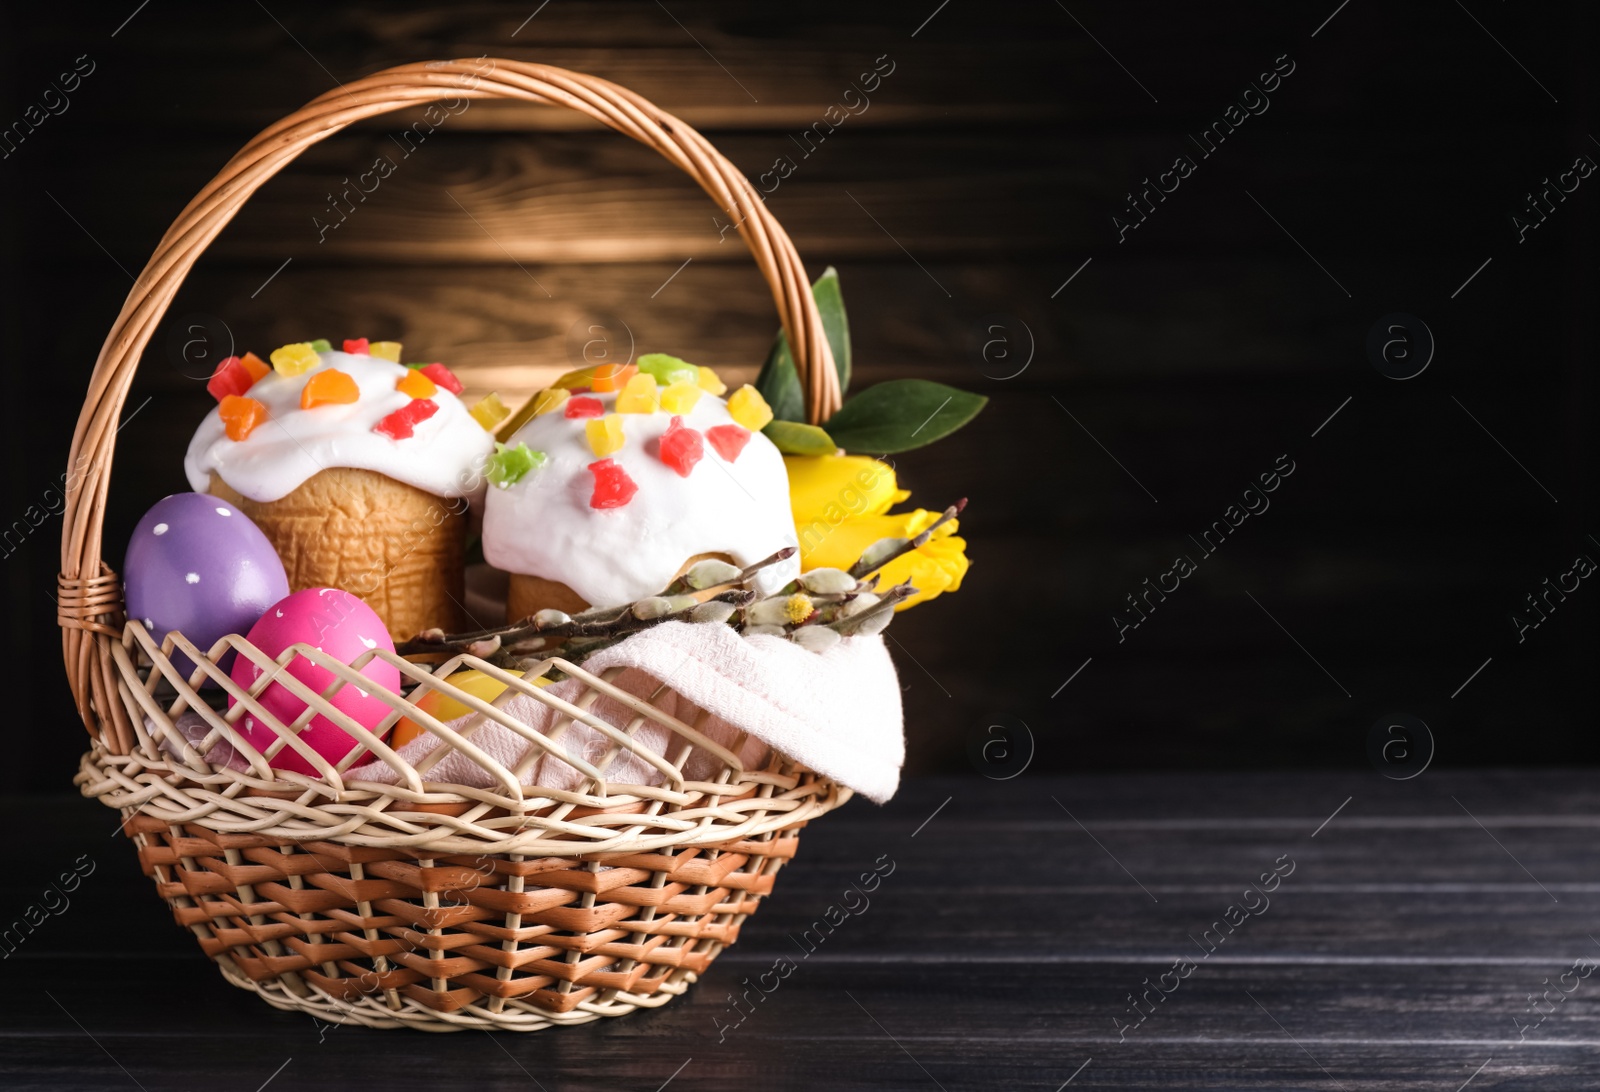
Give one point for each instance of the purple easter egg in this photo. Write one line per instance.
(198, 565)
(345, 628)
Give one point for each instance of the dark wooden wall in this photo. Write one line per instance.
(1174, 368)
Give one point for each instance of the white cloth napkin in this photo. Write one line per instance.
(837, 712)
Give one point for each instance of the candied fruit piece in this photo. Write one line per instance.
(357, 345)
(385, 350)
(681, 447)
(328, 387)
(680, 397)
(605, 434)
(443, 376)
(489, 411)
(668, 369)
(612, 486)
(585, 407)
(750, 409)
(417, 385)
(322, 345)
(240, 415)
(403, 422)
(604, 378)
(729, 440)
(508, 465)
(639, 396)
(611, 377)
(295, 359)
(708, 381)
(548, 401)
(231, 377)
(255, 366)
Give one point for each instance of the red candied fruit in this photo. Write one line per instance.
(357, 345)
(585, 407)
(681, 447)
(403, 422)
(612, 486)
(729, 440)
(231, 377)
(444, 377)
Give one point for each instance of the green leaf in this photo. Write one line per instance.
(902, 414)
(778, 382)
(830, 302)
(667, 369)
(796, 439)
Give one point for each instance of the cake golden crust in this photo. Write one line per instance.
(530, 594)
(397, 547)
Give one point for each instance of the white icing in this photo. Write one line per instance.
(544, 526)
(444, 456)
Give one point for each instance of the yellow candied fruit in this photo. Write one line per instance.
(709, 382)
(680, 397)
(416, 384)
(489, 411)
(750, 409)
(549, 401)
(385, 350)
(605, 434)
(639, 396)
(295, 359)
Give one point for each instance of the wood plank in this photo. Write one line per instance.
(969, 194)
(729, 66)
(498, 329)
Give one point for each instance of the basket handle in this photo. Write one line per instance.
(89, 590)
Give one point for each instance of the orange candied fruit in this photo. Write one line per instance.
(328, 387)
(416, 385)
(255, 366)
(612, 377)
(241, 415)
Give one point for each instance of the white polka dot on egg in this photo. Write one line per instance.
(192, 578)
(223, 512)
(160, 528)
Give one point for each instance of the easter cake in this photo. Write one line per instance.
(360, 470)
(619, 478)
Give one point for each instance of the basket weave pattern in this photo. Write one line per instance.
(422, 903)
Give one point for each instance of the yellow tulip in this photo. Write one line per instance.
(442, 707)
(841, 506)
(834, 488)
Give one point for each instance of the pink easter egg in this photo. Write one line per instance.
(345, 628)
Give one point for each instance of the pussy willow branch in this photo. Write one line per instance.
(520, 638)
(861, 568)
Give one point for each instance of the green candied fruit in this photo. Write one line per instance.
(322, 345)
(508, 465)
(668, 369)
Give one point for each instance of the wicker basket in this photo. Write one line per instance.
(421, 904)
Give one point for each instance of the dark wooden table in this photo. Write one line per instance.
(1413, 944)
